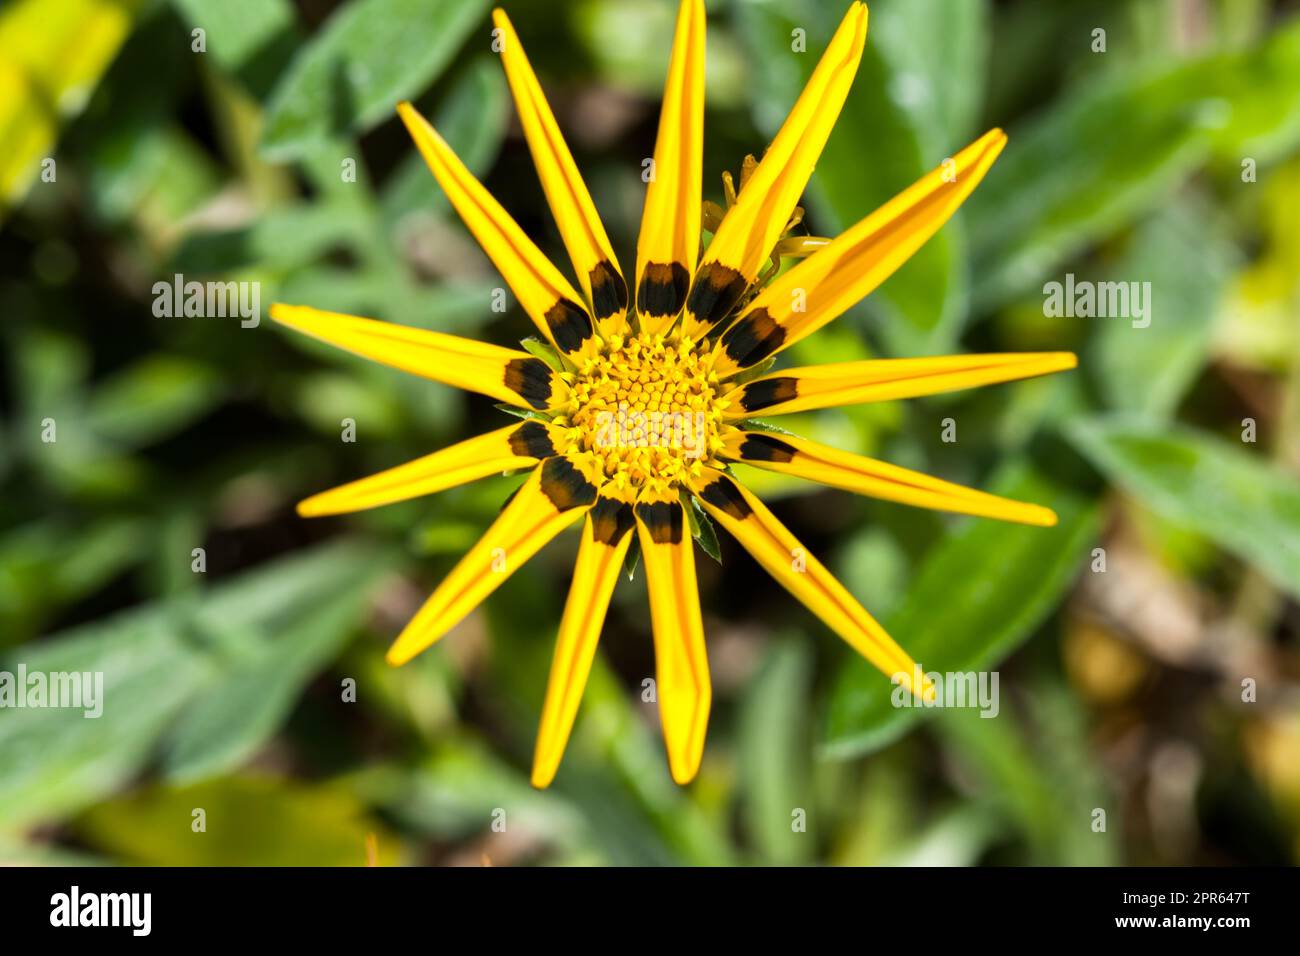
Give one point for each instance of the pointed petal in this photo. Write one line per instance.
(876, 479)
(605, 540)
(751, 227)
(506, 374)
(781, 554)
(669, 243)
(542, 290)
(681, 665)
(840, 274)
(883, 380)
(575, 214)
(552, 498)
(506, 449)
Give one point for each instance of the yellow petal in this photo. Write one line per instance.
(580, 227)
(605, 540)
(751, 227)
(553, 497)
(781, 554)
(841, 273)
(505, 374)
(670, 224)
(789, 455)
(542, 290)
(506, 449)
(681, 665)
(881, 380)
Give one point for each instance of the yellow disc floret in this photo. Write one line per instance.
(646, 409)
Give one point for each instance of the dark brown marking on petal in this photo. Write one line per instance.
(565, 485)
(663, 289)
(569, 323)
(610, 520)
(608, 290)
(756, 336)
(663, 519)
(532, 440)
(767, 392)
(530, 379)
(723, 494)
(716, 290)
(766, 448)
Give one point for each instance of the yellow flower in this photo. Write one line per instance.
(648, 401)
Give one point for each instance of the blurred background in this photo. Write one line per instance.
(1147, 646)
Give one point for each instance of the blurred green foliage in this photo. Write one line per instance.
(216, 138)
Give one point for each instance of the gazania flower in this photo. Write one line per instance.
(644, 400)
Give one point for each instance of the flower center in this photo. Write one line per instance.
(646, 409)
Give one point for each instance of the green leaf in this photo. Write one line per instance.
(772, 743)
(460, 788)
(1261, 87)
(976, 597)
(153, 659)
(140, 404)
(280, 239)
(1097, 160)
(326, 398)
(244, 705)
(761, 425)
(152, 399)
(456, 307)
(249, 821)
(544, 351)
(51, 562)
(444, 536)
(921, 305)
(936, 75)
(251, 38)
(1045, 784)
(154, 175)
(753, 372)
(472, 118)
(55, 761)
(369, 55)
(1115, 148)
(236, 30)
(702, 530)
(524, 413)
(39, 852)
(1238, 500)
(872, 564)
(1147, 368)
(636, 67)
